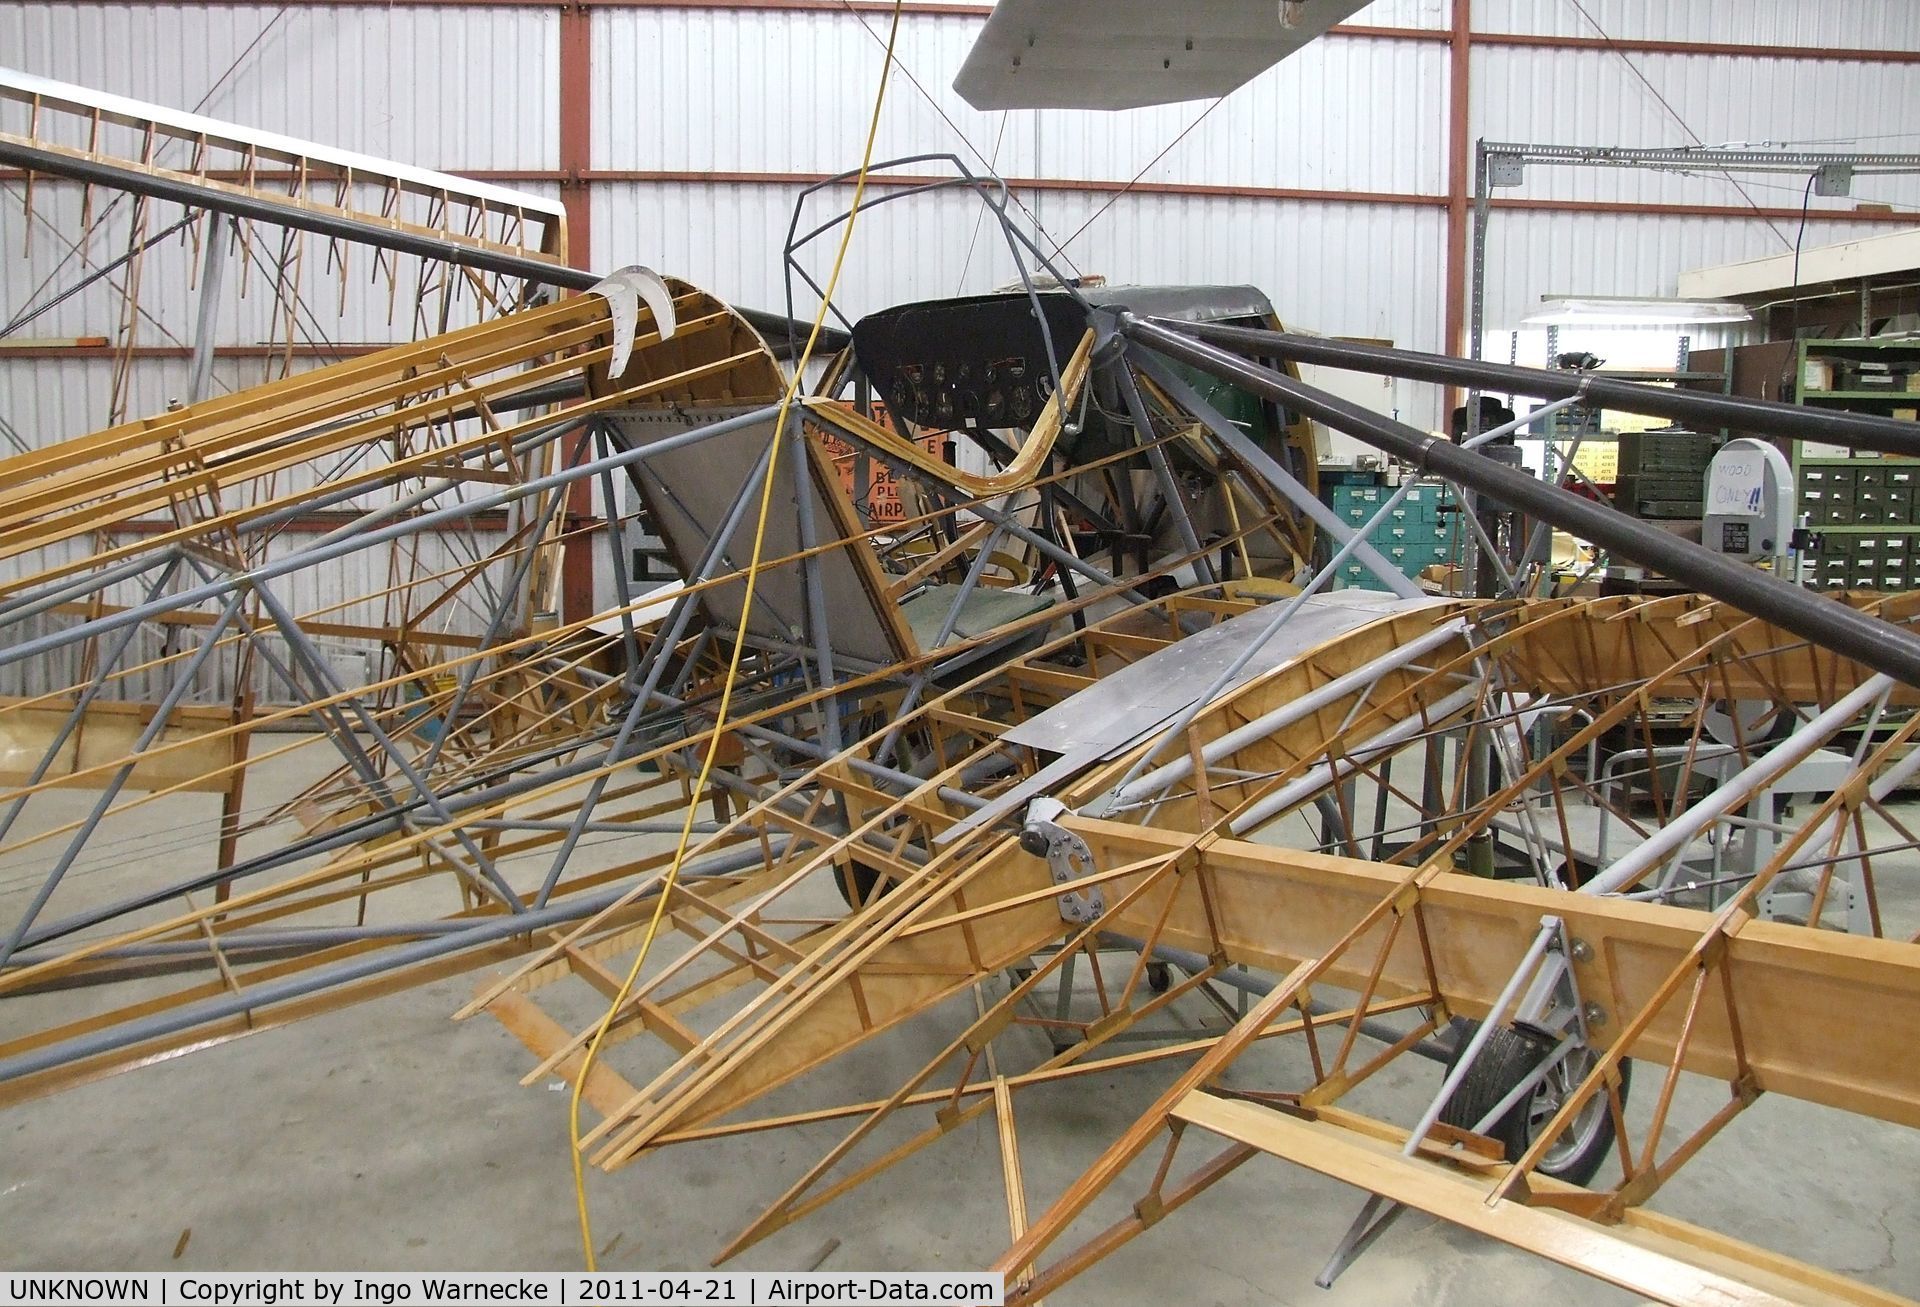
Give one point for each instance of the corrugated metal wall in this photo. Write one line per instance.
(1345, 115)
(454, 88)
(764, 95)
(1603, 94)
(1856, 24)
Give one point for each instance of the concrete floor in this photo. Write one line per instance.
(388, 1136)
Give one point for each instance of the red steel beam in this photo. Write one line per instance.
(1459, 105)
(599, 176)
(1394, 198)
(1639, 45)
(1904, 217)
(576, 161)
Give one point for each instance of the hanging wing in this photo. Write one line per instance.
(1123, 54)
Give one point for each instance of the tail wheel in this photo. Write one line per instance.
(1509, 1056)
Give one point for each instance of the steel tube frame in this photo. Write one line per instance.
(818, 632)
(323, 678)
(1163, 471)
(505, 926)
(1877, 644)
(21, 607)
(162, 713)
(356, 832)
(200, 370)
(1283, 612)
(616, 547)
(1156, 782)
(918, 685)
(663, 643)
(1680, 829)
(1859, 430)
(1353, 760)
(85, 700)
(965, 179)
(1268, 469)
(503, 605)
(340, 548)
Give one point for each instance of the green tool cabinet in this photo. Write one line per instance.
(1863, 509)
(1418, 533)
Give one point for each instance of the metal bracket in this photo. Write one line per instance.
(1505, 170)
(1552, 1004)
(1833, 179)
(1068, 859)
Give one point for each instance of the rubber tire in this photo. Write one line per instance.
(856, 882)
(1506, 1059)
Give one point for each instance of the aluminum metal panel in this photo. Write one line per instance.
(1858, 24)
(1347, 269)
(1593, 98)
(1343, 114)
(441, 87)
(1535, 254)
(1122, 708)
(1122, 54)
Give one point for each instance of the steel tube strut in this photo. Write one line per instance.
(286, 988)
(1862, 430)
(313, 555)
(1880, 645)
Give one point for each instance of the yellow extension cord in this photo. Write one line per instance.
(733, 665)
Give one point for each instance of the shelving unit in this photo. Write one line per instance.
(1863, 507)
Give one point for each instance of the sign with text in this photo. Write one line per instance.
(882, 503)
(437, 1288)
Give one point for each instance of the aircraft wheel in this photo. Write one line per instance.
(1509, 1055)
(856, 881)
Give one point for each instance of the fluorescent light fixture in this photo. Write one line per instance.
(1615, 311)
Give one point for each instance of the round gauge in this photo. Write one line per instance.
(904, 398)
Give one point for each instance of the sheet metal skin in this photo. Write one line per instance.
(1126, 706)
(1123, 54)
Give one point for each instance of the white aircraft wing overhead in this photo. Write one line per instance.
(1122, 54)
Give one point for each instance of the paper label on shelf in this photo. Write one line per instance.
(1736, 484)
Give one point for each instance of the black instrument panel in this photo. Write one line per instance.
(967, 363)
